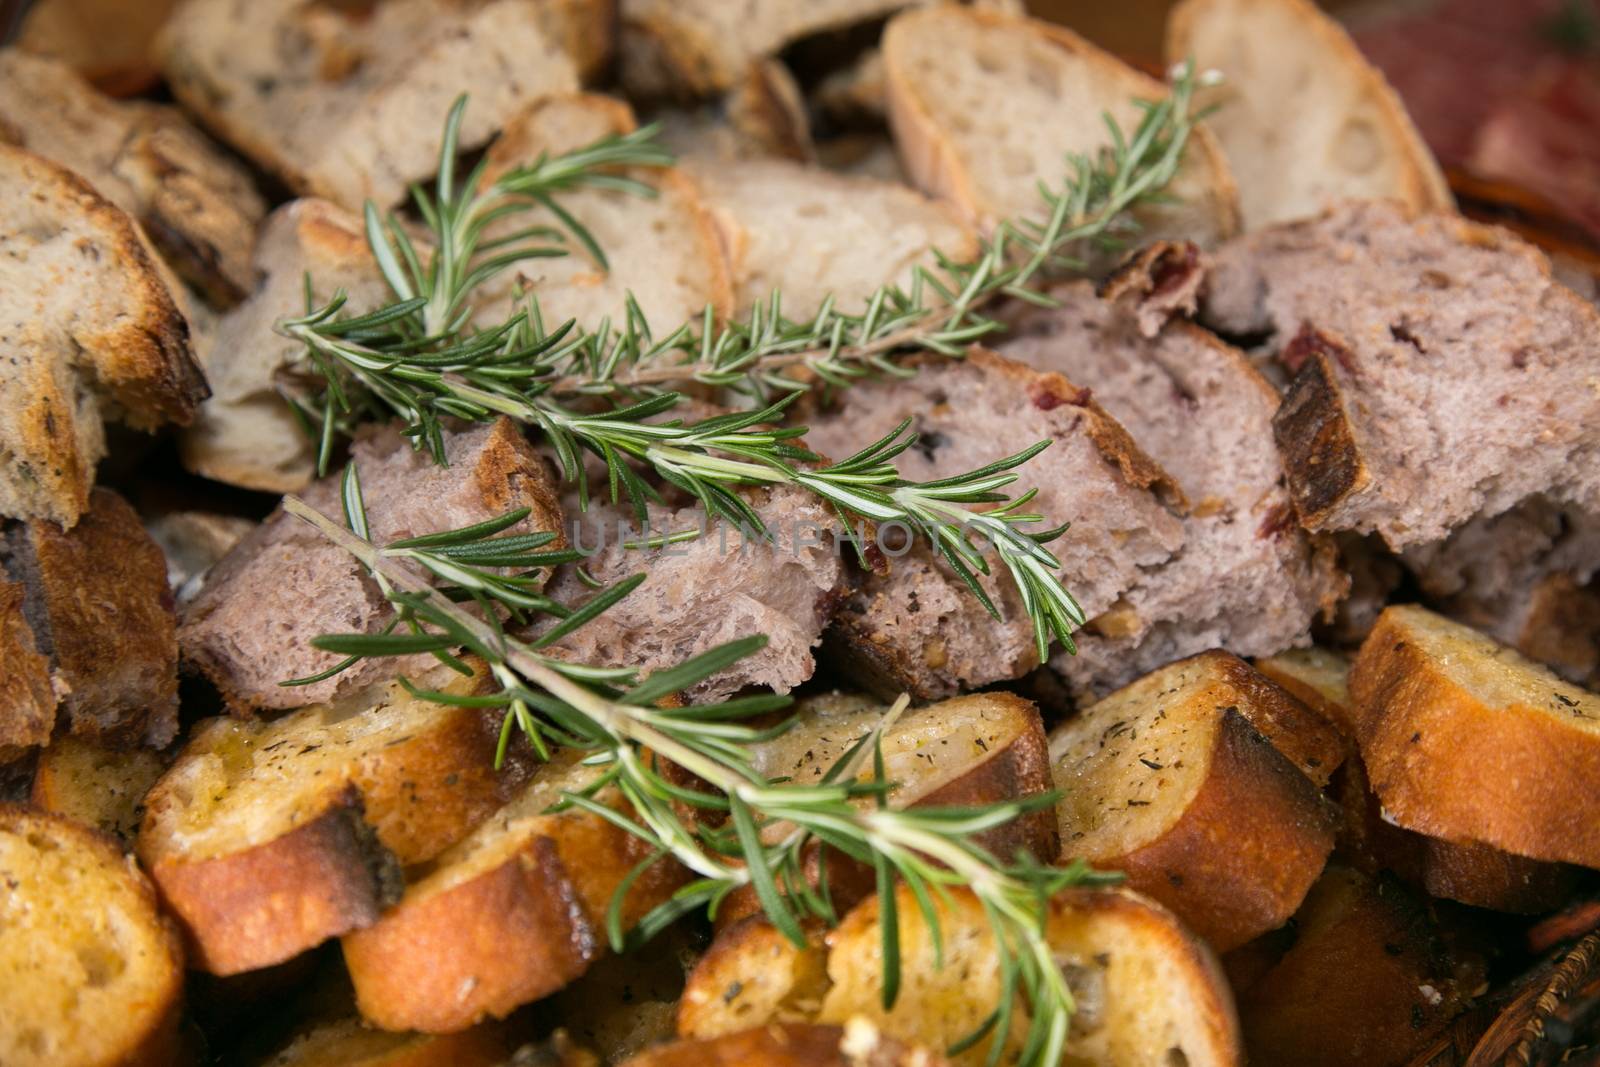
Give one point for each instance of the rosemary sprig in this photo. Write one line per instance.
(770, 826)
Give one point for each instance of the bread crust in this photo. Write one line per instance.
(27, 700)
(1446, 765)
(1321, 454)
(263, 905)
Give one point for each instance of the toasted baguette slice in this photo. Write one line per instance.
(753, 975)
(246, 434)
(1202, 751)
(1145, 986)
(858, 1043)
(512, 913)
(91, 973)
(661, 250)
(268, 838)
(94, 335)
(1319, 678)
(27, 698)
(282, 82)
(946, 64)
(102, 788)
(349, 1042)
(1304, 118)
(809, 233)
(1466, 739)
(1370, 976)
(99, 604)
(198, 205)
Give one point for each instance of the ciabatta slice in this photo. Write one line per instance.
(1190, 781)
(91, 972)
(948, 65)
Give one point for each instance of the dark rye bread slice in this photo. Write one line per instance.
(97, 600)
(918, 627)
(91, 332)
(1247, 578)
(1466, 739)
(91, 972)
(246, 434)
(267, 839)
(1439, 371)
(721, 586)
(1194, 782)
(347, 103)
(251, 626)
(198, 205)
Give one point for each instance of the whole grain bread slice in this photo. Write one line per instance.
(1466, 739)
(946, 65)
(1438, 371)
(1204, 751)
(92, 971)
(347, 103)
(246, 434)
(918, 628)
(97, 599)
(198, 205)
(1246, 578)
(1147, 990)
(92, 334)
(1304, 118)
(251, 626)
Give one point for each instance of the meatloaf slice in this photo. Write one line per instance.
(723, 585)
(917, 627)
(1439, 372)
(1247, 578)
(251, 625)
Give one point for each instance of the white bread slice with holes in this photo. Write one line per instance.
(93, 335)
(811, 233)
(1202, 751)
(857, 1043)
(1145, 986)
(101, 788)
(947, 65)
(984, 748)
(1466, 739)
(198, 205)
(269, 838)
(698, 48)
(91, 972)
(1302, 115)
(663, 249)
(513, 912)
(348, 103)
(350, 1042)
(97, 599)
(246, 434)
(252, 624)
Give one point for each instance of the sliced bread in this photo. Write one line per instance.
(74, 31)
(810, 234)
(91, 972)
(93, 334)
(947, 64)
(1466, 739)
(348, 103)
(350, 1042)
(856, 1044)
(512, 913)
(251, 626)
(1204, 751)
(1247, 578)
(246, 434)
(762, 116)
(1438, 371)
(1147, 990)
(1303, 117)
(918, 628)
(96, 596)
(198, 205)
(27, 697)
(269, 838)
(101, 788)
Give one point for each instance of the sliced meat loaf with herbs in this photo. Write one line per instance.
(1247, 578)
(918, 627)
(198, 204)
(251, 625)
